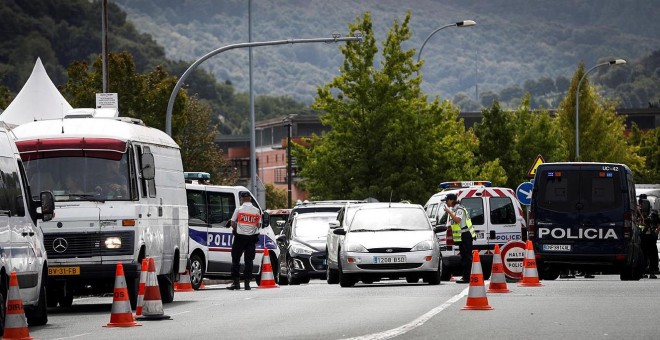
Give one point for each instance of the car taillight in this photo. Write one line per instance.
(450, 238)
(531, 225)
(627, 225)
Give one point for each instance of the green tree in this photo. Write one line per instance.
(602, 137)
(649, 148)
(145, 96)
(497, 134)
(276, 198)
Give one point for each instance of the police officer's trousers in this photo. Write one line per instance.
(243, 245)
(465, 247)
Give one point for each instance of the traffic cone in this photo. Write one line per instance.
(267, 278)
(497, 277)
(152, 307)
(530, 273)
(477, 299)
(121, 315)
(184, 284)
(15, 321)
(143, 281)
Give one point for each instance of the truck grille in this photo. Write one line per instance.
(69, 245)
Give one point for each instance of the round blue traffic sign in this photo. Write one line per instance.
(524, 193)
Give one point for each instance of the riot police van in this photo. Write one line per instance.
(21, 241)
(583, 216)
(210, 208)
(120, 197)
(496, 215)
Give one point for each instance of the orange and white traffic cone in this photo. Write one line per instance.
(477, 299)
(497, 277)
(143, 281)
(15, 321)
(152, 306)
(530, 272)
(121, 315)
(267, 278)
(184, 284)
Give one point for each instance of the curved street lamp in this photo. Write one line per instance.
(577, 103)
(464, 23)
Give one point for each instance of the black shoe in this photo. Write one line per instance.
(462, 281)
(247, 285)
(236, 285)
(652, 276)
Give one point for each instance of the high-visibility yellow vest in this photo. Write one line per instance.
(456, 230)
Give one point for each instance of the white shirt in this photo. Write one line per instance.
(247, 218)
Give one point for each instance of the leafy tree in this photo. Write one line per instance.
(276, 198)
(496, 134)
(602, 137)
(649, 148)
(145, 96)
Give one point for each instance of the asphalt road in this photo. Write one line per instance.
(600, 308)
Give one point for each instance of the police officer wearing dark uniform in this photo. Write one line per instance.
(245, 222)
(649, 236)
(462, 233)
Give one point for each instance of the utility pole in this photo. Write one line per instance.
(104, 43)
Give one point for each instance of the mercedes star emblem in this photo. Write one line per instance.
(60, 245)
(389, 250)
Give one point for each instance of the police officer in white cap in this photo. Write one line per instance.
(462, 233)
(245, 222)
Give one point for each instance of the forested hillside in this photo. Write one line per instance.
(516, 45)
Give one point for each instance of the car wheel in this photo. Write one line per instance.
(289, 274)
(166, 285)
(434, 278)
(446, 273)
(345, 280)
(368, 281)
(412, 279)
(304, 280)
(40, 315)
(331, 276)
(197, 271)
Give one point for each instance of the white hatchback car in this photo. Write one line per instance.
(384, 240)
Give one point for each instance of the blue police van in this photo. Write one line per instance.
(584, 217)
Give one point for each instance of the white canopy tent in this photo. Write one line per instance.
(39, 99)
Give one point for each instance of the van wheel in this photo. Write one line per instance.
(66, 301)
(549, 272)
(633, 270)
(197, 271)
(40, 315)
(166, 285)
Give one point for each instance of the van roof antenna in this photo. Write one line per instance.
(391, 192)
(62, 109)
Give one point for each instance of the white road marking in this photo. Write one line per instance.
(74, 336)
(413, 324)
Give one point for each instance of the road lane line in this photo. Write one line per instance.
(73, 336)
(415, 323)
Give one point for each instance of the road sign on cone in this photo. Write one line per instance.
(152, 306)
(497, 276)
(121, 315)
(15, 321)
(143, 281)
(477, 299)
(184, 284)
(530, 272)
(267, 278)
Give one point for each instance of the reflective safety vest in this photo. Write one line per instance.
(456, 229)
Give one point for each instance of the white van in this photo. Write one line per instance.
(120, 197)
(496, 215)
(21, 241)
(210, 208)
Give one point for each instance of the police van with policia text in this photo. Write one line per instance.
(210, 208)
(584, 217)
(120, 197)
(496, 216)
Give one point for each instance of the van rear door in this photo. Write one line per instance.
(579, 209)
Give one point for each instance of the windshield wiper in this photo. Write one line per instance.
(396, 229)
(360, 230)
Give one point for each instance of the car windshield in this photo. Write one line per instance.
(389, 219)
(80, 178)
(312, 225)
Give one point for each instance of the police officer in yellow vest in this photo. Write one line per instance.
(462, 232)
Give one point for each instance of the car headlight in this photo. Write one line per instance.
(113, 243)
(424, 245)
(356, 248)
(301, 249)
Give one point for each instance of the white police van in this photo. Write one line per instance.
(21, 241)
(496, 215)
(210, 208)
(120, 197)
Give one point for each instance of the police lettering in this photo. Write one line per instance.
(582, 233)
(218, 239)
(251, 219)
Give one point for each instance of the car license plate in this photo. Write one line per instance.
(557, 247)
(389, 259)
(55, 271)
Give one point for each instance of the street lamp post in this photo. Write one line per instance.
(288, 162)
(577, 103)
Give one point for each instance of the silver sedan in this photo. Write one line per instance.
(388, 240)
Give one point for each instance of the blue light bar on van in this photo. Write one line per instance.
(464, 184)
(196, 176)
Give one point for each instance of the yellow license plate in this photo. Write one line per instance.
(63, 271)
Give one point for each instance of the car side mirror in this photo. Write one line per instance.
(265, 220)
(440, 229)
(334, 224)
(339, 231)
(47, 205)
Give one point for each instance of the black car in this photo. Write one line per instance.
(302, 242)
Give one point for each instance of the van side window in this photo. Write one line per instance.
(152, 182)
(143, 182)
(11, 195)
(134, 192)
(475, 207)
(196, 207)
(221, 207)
(502, 211)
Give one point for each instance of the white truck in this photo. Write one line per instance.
(120, 197)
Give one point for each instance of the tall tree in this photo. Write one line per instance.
(145, 96)
(649, 148)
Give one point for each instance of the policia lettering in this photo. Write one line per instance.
(456, 229)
